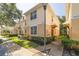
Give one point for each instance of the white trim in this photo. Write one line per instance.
(74, 17)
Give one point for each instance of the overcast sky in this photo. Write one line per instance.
(59, 8)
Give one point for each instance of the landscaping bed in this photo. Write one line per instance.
(69, 44)
(1, 41)
(24, 43)
(40, 40)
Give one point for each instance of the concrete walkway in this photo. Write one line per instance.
(55, 51)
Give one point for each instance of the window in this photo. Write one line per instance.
(34, 15)
(74, 17)
(34, 30)
(52, 19)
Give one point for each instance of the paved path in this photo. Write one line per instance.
(55, 51)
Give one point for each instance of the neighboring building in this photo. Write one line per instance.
(2, 28)
(72, 22)
(34, 21)
(15, 29)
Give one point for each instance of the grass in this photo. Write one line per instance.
(24, 43)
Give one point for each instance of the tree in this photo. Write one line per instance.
(63, 30)
(8, 13)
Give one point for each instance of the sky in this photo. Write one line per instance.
(59, 8)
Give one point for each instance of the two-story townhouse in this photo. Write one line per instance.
(41, 22)
(72, 20)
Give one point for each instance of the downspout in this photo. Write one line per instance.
(44, 6)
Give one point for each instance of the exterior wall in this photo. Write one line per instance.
(15, 30)
(39, 21)
(35, 22)
(72, 17)
(51, 19)
(75, 10)
(75, 21)
(75, 29)
(40, 18)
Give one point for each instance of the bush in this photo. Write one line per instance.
(5, 34)
(25, 36)
(24, 43)
(67, 42)
(40, 40)
(1, 41)
(12, 35)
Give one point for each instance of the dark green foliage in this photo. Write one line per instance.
(40, 40)
(77, 53)
(1, 41)
(67, 42)
(8, 13)
(13, 35)
(63, 30)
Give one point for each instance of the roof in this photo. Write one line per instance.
(35, 7)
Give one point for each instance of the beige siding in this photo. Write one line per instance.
(35, 22)
(75, 9)
(75, 21)
(39, 21)
(72, 17)
(75, 29)
(51, 19)
(40, 18)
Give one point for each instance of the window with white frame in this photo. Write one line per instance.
(34, 30)
(34, 15)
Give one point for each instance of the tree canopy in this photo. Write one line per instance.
(63, 30)
(8, 13)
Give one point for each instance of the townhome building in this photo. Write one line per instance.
(72, 20)
(41, 21)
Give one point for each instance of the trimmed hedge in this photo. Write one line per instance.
(1, 41)
(9, 35)
(40, 40)
(12, 35)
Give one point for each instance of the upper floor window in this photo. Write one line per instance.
(34, 15)
(34, 30)
(52, 19)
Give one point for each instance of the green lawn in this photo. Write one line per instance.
(24, 43)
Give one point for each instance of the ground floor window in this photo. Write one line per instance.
(34, 30)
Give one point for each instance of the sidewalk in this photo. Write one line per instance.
(55, 51)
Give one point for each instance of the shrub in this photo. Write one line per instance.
(12, 35)
(1, 41)
(67, 42)
(5, 34)
(24, 43)
(25, 36)
(40, 40)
